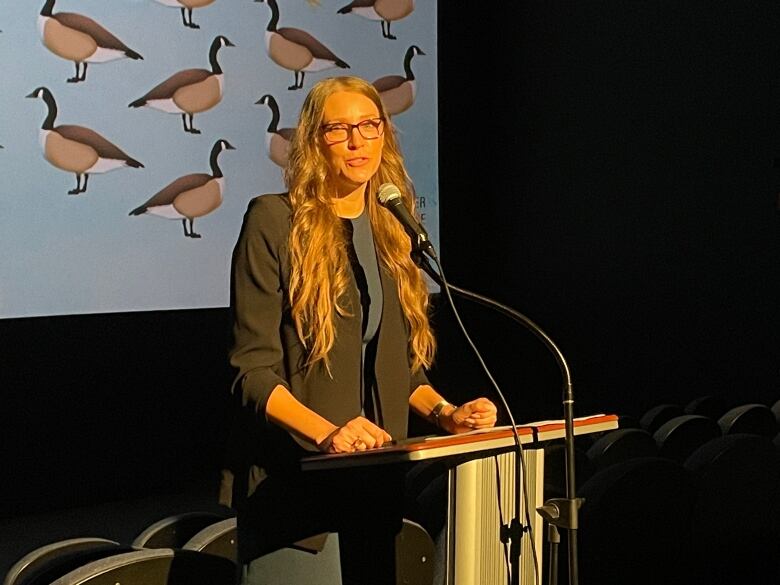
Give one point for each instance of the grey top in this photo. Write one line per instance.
(366, 269)
(369, 283)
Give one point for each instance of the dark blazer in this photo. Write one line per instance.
(267, 352)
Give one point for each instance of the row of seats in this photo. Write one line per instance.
(188, 549)
(758, 419)
(666, 494)
(196, 548)
(679, 496)
(667, 430)
(711, 518)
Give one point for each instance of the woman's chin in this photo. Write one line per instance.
(358, 178)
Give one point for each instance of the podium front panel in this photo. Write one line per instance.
(475, 553)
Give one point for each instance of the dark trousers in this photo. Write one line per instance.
(364, 505)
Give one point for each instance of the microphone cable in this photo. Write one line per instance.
(389, 196)
(521, 489)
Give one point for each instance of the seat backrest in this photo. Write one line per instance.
(414, 555)
(44, 564)
(679, 437)
(754, 419)
(555, 468)
(175, 530)
(628, 421)
(217, 539)
(635, 523)
(154, 567)
(654, 417)
(709, 406)
(621, 445)
(414, 561)
(737, 511)
(776, 411)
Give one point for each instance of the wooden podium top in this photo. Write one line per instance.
(432, 447)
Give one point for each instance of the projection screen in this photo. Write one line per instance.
(108, 109)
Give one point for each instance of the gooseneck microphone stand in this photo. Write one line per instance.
(513, 532)
(559, 512)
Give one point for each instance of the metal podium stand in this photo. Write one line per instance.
(475, 554)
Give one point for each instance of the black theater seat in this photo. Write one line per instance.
(654, 417)
(776, 411)
(154, 567)
(175, 530)
(621, 445)
(414, 557)
(709, 406)
(753, 419)
(45, 564)
(628, 421)
(216, 539)
(737, 512)
(555, 468)
(635, 524)
(679, 437)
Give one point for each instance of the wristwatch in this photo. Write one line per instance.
(436, 411)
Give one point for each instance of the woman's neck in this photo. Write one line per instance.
(351, 205)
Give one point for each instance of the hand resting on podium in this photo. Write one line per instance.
(360, 434)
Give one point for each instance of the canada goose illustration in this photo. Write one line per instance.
(277, 140)
(398, 92)
(79, 39)
(191, 91)
(296, 50)
(190, 196)
(187, 6)
(384, 10)
(77, 149)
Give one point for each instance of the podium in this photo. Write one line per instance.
(481, 491)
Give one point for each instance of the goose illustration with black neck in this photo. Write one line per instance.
(296, 50)
(189, 92)
(386, 11)
(77, 149)
(398, 92)
(190, 196)
(79, 39)
(187, 6)
(277, 140)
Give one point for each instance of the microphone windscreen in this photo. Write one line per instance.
(388, 192)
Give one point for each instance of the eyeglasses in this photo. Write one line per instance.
(340, 132)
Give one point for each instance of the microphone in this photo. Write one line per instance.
(390, 197)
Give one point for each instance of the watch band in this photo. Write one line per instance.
(436, 411)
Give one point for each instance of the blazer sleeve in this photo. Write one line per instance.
(257, 301)
(417, 379)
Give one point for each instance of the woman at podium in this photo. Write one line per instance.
(331, 339)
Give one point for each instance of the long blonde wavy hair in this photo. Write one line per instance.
(319, 273)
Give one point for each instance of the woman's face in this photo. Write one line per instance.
(352, 157)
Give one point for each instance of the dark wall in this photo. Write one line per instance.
(613, 178)
(606, 168)
(108, 407)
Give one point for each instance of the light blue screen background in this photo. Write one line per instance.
(64, 254)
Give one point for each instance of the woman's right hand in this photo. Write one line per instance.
(359, 434)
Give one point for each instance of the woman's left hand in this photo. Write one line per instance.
(476, 414)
